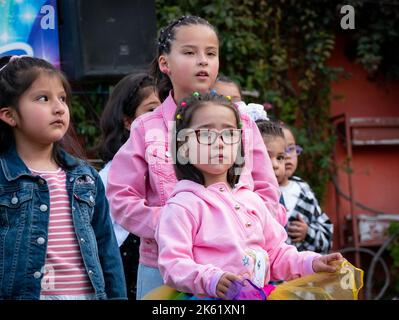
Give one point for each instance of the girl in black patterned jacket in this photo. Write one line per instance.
(308, 228)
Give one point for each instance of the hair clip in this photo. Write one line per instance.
(14, 57)
(240, 125)
(228, 98)
(196, 94)
(178, 116)
(183, 104)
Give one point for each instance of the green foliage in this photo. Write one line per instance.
(280, 48)
(85, 114)
(394, 247)
(377, 36)
(394, 253)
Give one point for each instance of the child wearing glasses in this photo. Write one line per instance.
(215, 233)
(308, 228)
(141, 177)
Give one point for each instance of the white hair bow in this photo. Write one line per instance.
(254, 110)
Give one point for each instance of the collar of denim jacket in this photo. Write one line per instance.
(13, 166)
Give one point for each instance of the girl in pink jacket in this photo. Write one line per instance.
(141, 177)
(214, 231)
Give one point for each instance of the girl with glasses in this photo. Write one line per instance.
(308, 228)
(215, 234)
(141, 176)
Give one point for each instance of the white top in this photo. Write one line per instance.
(291, 195)
(120, 232)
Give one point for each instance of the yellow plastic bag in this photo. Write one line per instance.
(163, 292)
(344, 284)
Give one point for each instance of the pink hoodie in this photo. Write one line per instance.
(204, 232)
(141, 177)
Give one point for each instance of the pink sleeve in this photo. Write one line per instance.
(265, 181)
(286, 262)
(174, 235)
(126, 187)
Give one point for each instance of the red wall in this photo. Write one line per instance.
(375, 168)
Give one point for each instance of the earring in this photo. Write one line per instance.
(164, 70)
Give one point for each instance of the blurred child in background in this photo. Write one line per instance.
(133, 96)
(309, 228)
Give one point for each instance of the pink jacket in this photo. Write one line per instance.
(141, 177)
(204, 232)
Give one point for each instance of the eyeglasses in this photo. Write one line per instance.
(209, 136)
(294, 149)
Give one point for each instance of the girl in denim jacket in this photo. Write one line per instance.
(56, 236)
(141, 177)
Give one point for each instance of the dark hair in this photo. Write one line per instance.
(226, 79)
(283, 125)
(269, 128)
(166, 37)
(183, 118)
(127, 95)
(17, 76)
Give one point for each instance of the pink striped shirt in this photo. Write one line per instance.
(64, 271)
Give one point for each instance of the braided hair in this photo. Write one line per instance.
(270, 129)
(166, 37)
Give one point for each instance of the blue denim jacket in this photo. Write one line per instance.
(24, 199)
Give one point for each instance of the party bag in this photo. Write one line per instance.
(344, 284)
(239, 290)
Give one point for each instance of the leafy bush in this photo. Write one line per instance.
(281, 49)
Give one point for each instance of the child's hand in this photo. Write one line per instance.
(323, 263)
(224, 284)
(298, 229)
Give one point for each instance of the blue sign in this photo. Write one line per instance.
(30, 27)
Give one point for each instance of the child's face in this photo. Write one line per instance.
(276, 149)
(43, 114)
(228, 89)
(193, 62)
(215, 159)
(148, 104)
(291, 159)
